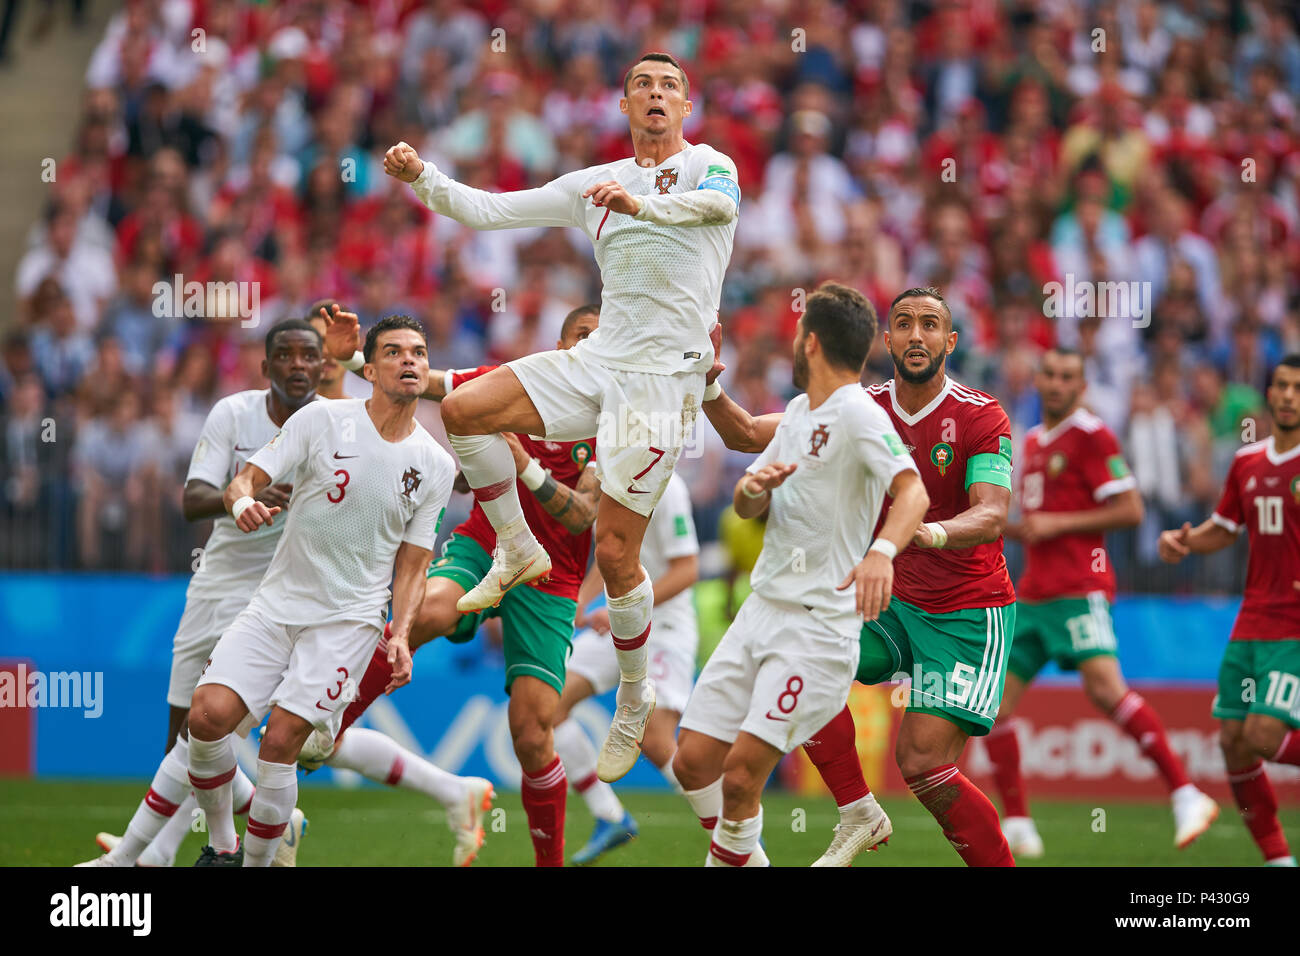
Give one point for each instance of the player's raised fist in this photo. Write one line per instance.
(403, 162)
(1172, 545)
(342, 333)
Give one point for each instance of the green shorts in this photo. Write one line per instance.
(1066, 630)
(537, 628)
(957, 661)
(1259, 677)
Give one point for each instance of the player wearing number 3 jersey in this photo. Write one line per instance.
(1259, 683)
(662, 224)
(370, 488)
(785, 666)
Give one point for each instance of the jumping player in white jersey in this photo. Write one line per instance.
(371, 485)
(228, 569)
(662, 225)
(785, 666)
(671, 556)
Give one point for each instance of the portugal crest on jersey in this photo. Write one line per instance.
(941, 457)
(580, 453)
(666, 180)
(411, 481)
(818, 441)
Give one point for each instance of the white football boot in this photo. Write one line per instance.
(1194, 811)
(509, 570)
(622, 744)
(465, 819)
(863, 826)
(1022, 837)
(286, 854)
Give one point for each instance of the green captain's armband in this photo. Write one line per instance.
(991, 468)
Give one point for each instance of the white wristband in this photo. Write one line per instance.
(712, 391)
(937, 533)
(358, 359)
(533, 475)
(744, 490)
(447, 383)
(885, 547)
(240, 506)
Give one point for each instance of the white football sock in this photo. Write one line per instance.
(162, 851)
(489, 468)
(578, 754)
(212, 767)
(707, 803)
(383, 760)
(241, 791)
(734, 841)
(167, 791)
(277, 792)
(629, 626)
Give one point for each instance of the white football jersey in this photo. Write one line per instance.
(232, 562)
(671, 534)
(661, 284)
(356, 498)
(823, 516)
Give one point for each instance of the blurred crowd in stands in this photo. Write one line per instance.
(987, 147)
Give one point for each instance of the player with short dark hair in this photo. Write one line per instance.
(1258, 703)
(786, 664)
(950, 622)
(662, 225)
(1075, 486)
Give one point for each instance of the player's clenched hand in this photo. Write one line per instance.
(770, 476)
(255, 515)
(1037, 526)
(342, 333)
(1172, 545)
(922, 537)
(613, 196)
(399, 659)
(403, 162)
(873, 577)
(276, 496)
(598, 620)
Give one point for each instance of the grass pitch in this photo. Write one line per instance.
(54, 822)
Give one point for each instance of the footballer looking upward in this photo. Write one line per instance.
(662, 223)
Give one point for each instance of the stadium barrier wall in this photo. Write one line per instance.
(108, 639)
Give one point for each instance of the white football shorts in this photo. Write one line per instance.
(201, 626)
(779, 674)
(310, 670)
(641, 420)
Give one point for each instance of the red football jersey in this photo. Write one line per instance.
(1073, 467)
(1262, 494)
(960, 438)
(564, 460)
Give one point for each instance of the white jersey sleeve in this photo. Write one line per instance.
(287, 450)
(880, 447)
(211, 459)
(558, 203)
(422, 529)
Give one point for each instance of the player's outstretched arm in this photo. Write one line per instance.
(1177, 543)
(699, 207)
(555, 204)
(739, 430)
(981, 523)
(574, 508)
(240, 499)
(682, 572)
(409, 569)
(753, 492)
(873, 577)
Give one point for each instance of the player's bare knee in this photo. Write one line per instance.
(688, 769)
(456, 416)
(618, 564)
(533, 742)
(913, 761)
(208, 719)
(740, 784)
(1261, 739)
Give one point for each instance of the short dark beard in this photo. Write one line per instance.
(916, 378)
(799, 373)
